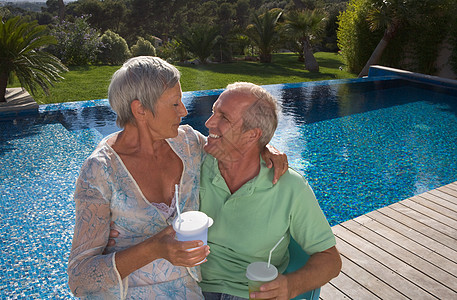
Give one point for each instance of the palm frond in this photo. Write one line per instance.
(20, 42)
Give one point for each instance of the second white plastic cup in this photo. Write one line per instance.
(259, 273)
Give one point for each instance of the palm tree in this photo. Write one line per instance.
(200, 41)
(304, 26)
(264, 34)
(19, 54)
(392, 16)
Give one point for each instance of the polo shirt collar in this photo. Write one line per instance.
(263, 180)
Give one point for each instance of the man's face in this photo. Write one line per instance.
(226, 140)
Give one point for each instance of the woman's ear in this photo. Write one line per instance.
(138, 110)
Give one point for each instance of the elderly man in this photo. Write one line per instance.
(250, 213)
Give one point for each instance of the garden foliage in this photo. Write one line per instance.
(77, 43)
(114, 49)
(20, 55)
(143, 47)
(421, 30)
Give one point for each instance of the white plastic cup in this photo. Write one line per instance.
(259, 273)
(193, 226)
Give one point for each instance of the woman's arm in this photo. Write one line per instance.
(89, 269)
(275, 158)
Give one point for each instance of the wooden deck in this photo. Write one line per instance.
(407, 250)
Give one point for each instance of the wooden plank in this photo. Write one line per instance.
(330, 292)
(439, 277)
(436, 220)
(416, 221)
(405, 250)
(412, 245)
(449, 194)
(358, 251)
(392, 223)
(439, 210)
(452, 185)
(370, 281)
(352, 289)
(440, 198)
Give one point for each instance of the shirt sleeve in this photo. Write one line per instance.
(89, 270)
(309, 226)
(200, 141)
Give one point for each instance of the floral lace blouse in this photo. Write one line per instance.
(105, 192)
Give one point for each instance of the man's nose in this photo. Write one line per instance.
(210, 121)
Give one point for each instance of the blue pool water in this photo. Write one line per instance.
(361, 144)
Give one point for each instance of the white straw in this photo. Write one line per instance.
(269, 257)
(177, 204)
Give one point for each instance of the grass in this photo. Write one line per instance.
(91, 82)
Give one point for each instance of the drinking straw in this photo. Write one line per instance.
(269, 257)
(177, 204)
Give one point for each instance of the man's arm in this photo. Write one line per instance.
(319, 269)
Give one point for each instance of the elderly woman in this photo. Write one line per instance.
(130, 180)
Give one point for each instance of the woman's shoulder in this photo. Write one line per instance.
(187, 130)
(103, 153)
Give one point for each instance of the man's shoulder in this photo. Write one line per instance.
(293, 177)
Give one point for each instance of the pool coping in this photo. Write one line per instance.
(18, 102)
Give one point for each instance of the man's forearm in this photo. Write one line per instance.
(319, 269)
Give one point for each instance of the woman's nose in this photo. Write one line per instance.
(182, 110)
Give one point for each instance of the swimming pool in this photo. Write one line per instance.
(362, 144)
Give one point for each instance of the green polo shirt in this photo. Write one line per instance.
(248, 223)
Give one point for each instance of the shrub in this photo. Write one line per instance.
(77, 43)
(173, 51)
(114, 49)
(143, 47)
(355, 39)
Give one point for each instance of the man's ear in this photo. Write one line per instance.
(253, 136)
(138, 110)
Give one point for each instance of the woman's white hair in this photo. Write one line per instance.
(142, 78)
(263, 113)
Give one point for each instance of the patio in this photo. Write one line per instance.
(405, 250)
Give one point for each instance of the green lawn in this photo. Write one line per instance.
(91, 82)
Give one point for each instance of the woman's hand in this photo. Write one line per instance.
(186, 254)
(275, 158)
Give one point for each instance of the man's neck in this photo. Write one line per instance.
(237, 173)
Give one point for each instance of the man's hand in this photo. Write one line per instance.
(276, 289)
(275, 158)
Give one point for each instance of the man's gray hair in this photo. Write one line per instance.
(143, 78)
(263, 113)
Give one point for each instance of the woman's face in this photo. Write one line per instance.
(169, 110)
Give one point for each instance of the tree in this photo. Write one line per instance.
(392, 16)
(77, 43)
(264, 34)
(200, 41)
(305, 26)
(20, 55)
